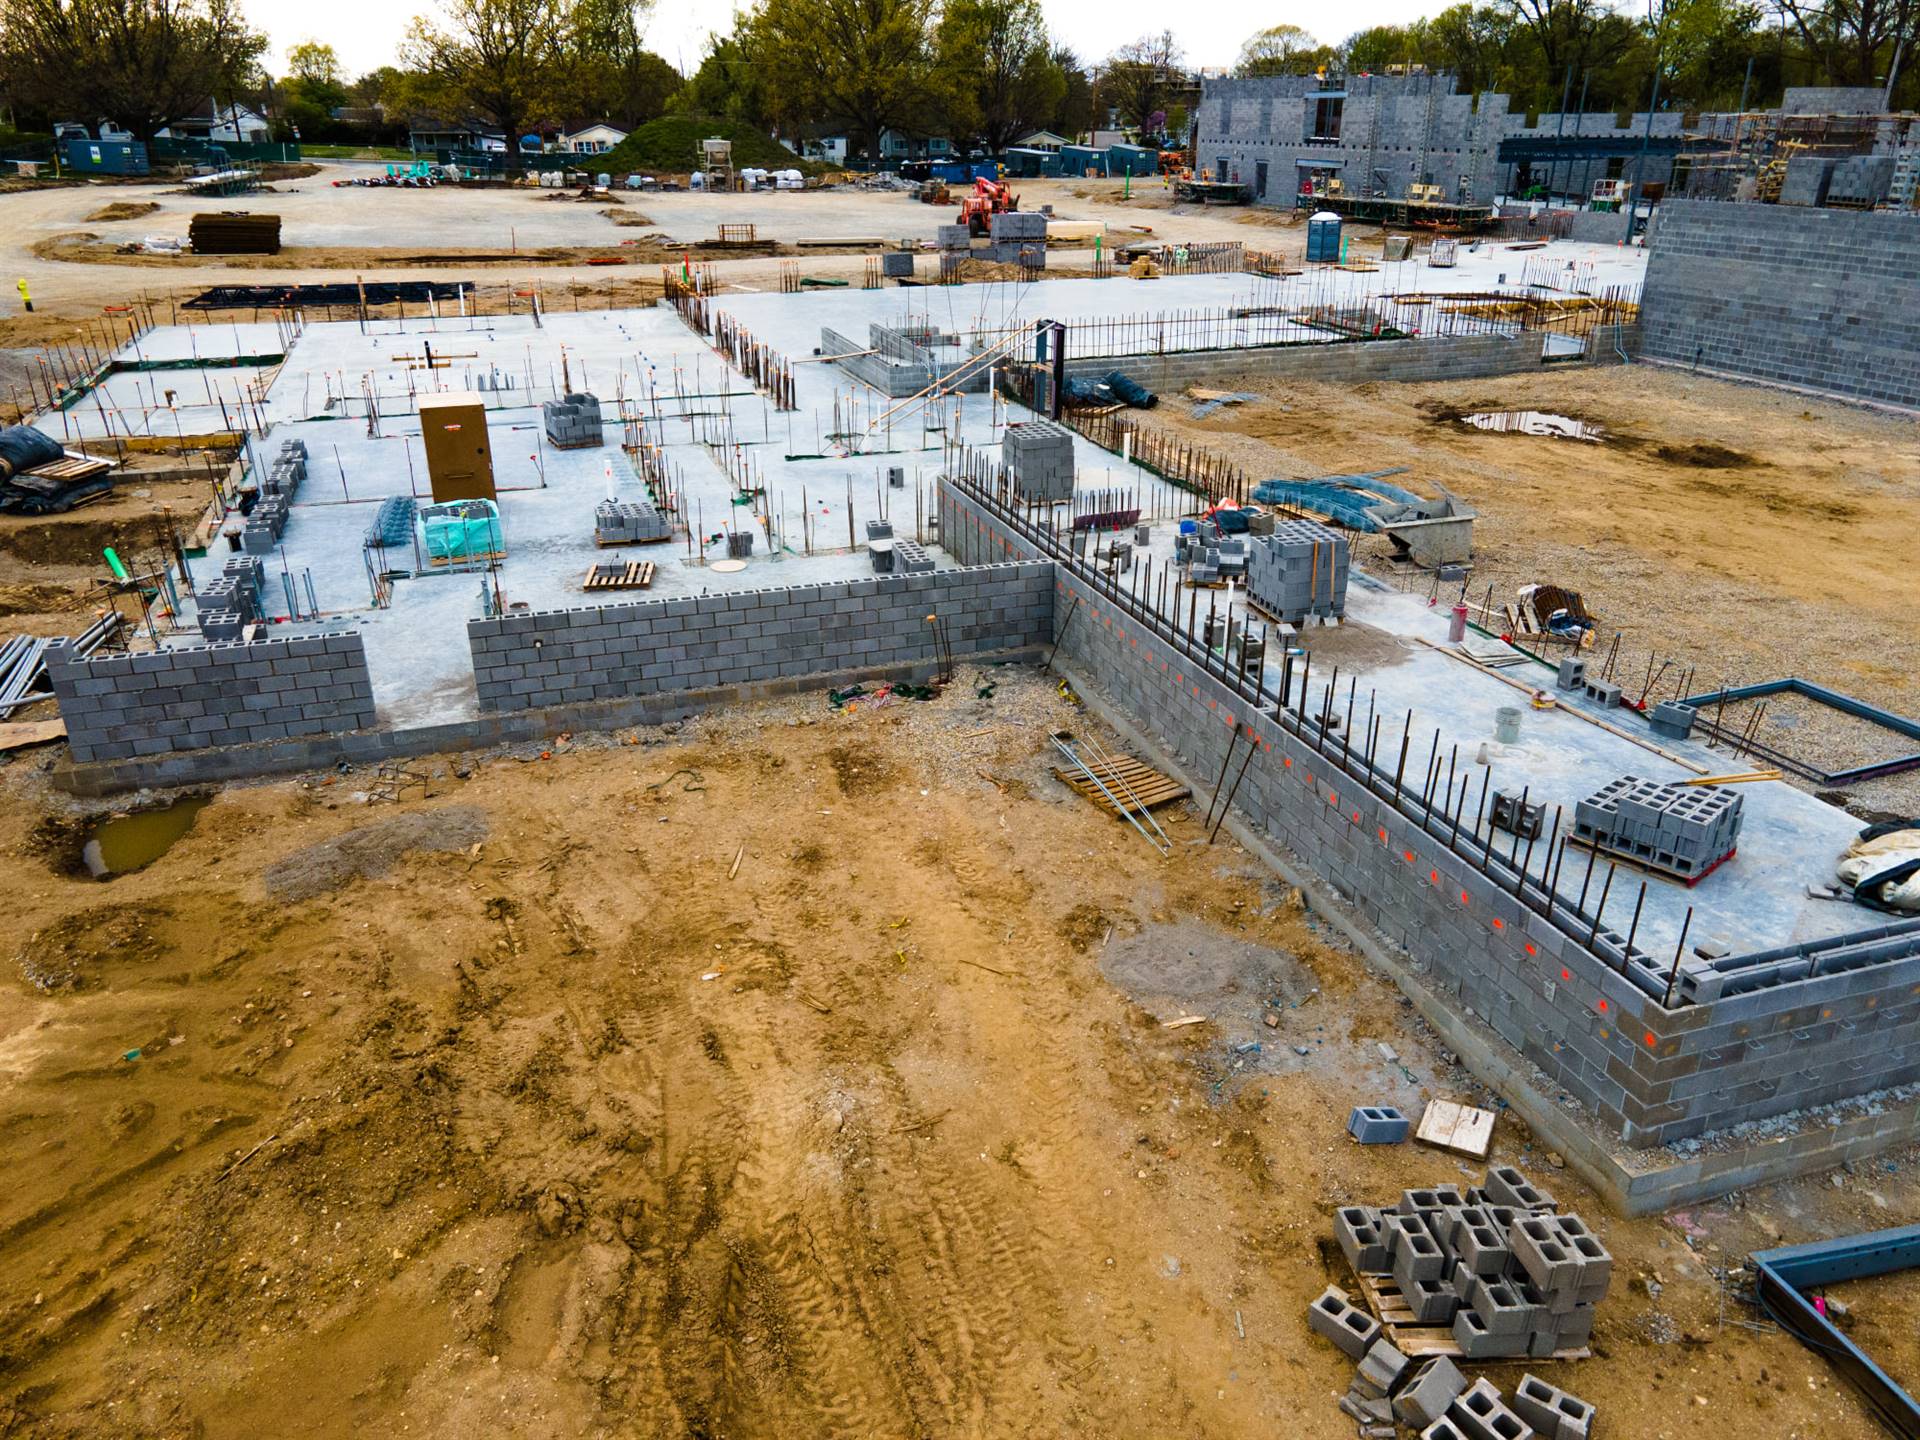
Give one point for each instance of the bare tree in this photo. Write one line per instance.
(1138, 79)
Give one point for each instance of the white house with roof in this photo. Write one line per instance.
(595, 139)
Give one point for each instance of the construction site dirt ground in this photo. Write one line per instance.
(792, 1071)
(1742, 532)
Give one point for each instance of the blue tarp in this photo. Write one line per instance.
(1344, 498)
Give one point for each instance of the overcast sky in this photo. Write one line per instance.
(364, 32)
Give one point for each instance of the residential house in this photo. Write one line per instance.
(223, 122)
(427, 134)
(897, 145)
(826, 149)
(1043, 140)
(595, 139)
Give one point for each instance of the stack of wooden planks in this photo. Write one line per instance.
(234, 232)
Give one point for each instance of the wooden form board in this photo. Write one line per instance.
(1417, 1341)
(633, 575)
(1138, 787)
(1463, 1129)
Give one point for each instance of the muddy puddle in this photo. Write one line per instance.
(1534, 422)
(124, 843)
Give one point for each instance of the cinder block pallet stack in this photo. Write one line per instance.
(268, 517)
(1298, 571)
(572, 422)
(1510, 1275)
(234, 233)
(1684, 830)
(1038, 455)
(629, 522)
(1019, 237)
(232, 600)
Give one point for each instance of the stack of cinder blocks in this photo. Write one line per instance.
(909, 558)
(1019, 237)
(629, 522)
(1671, 720)
(897, 264)
(953, 237)
(232, 600)
(1038, 455)
(573, 421)
(1683, 829)
(1497, 1265)
(274, 504)
(880, 546)
(1432, 1398)
(1298, 571)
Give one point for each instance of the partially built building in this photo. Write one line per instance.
(1622, 1011)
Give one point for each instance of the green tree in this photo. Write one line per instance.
(1073, 116)
(1576, 35)
(313, 63)
(1282, 50)
(503, 60)
(996, 60)
(727, 85)
(615, 76)
(1854, 42)
(142, 63)
(864, 64)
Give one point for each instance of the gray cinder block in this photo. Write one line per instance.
(1482, 1415)
(1425, 1397)
(1552, 1412)
(1334, 1316)
(1377, 1125)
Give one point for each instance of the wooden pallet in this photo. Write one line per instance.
(1418, 1341)
(634, 575)
(73, 467)
(1641, 862)
(1139, 787)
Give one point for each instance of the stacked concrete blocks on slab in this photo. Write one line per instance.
(1299, 571)
(897, 264)
(573, 421)
(630, 522)
(1683, 829)
(190, 698)
(1038, 455)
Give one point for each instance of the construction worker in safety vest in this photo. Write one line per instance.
(25, 298)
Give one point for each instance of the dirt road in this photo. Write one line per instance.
(798, 1072)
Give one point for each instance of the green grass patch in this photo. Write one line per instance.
(668, 146)
(357, 152)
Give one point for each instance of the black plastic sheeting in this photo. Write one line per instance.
(22, 447)
(299, 297)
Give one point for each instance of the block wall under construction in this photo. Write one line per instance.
(1817, 298)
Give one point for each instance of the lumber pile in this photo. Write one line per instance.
(234, 232)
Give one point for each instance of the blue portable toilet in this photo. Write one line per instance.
(1323, 238)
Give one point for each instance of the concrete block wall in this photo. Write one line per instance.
(1653, 1074)
(611, 652)
(1351, 362)
(1817, 298)
(122, 706)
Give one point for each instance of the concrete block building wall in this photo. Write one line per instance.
(1654, 1074)
(1464, 357)
(1817, 298)
(613, 652)
(123, 706)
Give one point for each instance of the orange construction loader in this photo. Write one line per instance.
(989, 198)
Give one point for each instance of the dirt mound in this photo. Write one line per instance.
(373, 850)
(124, 210)
(78, 949)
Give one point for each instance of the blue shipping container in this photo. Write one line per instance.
(105, 157)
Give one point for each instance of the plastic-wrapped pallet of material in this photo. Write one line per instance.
(1299, 571)
(461, 531)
